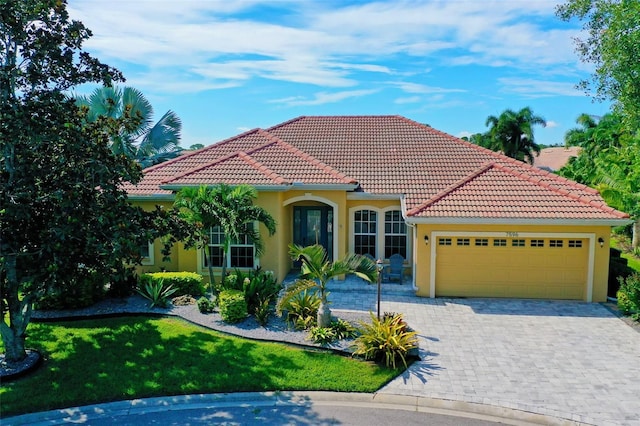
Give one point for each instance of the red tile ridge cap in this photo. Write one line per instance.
(306, 157)
(458, 184)
(580, 198)
(262, 168)
(201, 150)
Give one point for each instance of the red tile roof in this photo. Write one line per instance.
(439, 175)
(555, 157)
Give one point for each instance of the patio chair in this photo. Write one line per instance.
(395, 269)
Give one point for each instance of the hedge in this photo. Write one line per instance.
(185, 282)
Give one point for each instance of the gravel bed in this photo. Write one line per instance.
(276, 330)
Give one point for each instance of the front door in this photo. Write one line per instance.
(313, 225)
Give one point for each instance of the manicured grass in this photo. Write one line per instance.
(632, 261)
(93, 361)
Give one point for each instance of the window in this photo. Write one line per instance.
(146, 253)
(555, 243)
(482, 242)
(241, 252)
(444, 241)
(517, 243)
(498, 242)
(365, 230)
(537, 243)
(462, 241)
(395, 234)
(575, 243)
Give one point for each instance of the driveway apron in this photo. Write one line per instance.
(566, 359)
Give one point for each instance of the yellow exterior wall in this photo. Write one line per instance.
(423, 251)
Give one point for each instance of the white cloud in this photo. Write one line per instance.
(321, 98)
(551, 124)
(464, 134)
(422, 89)
(533, 88)
(408, 100)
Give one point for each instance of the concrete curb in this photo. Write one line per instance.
(271, 399)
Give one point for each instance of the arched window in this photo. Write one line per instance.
(365, 229)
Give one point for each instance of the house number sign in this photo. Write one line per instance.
(512, 234)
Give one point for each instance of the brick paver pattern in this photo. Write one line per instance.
(567, 359)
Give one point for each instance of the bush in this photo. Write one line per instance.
(156, 292)
(77, 293)
(629, 295)
(262, 312)
(387, 340)
(618, 268)
(302, 309)
(205, 305)
(233, 307)
(185, 283)
(256, 286)
(343, 329)
(322, 335)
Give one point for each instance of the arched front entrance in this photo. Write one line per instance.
(313, 222)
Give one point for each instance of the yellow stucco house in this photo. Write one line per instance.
(469, 221)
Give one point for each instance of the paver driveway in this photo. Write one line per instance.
(572, 360)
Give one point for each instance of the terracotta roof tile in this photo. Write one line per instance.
(439, 175)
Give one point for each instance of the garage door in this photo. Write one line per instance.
(546, 268)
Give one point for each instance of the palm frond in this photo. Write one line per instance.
(292, 291)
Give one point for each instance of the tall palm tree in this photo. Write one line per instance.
(316, 271)
(145, 141)
(230, 208)
(513, 133)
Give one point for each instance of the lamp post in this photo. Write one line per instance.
(379, 266)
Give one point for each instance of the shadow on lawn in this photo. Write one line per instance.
(94, 361)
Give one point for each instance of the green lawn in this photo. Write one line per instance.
(633, 262)
(93, 361)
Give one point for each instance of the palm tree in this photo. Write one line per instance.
(513, 133)
(317, 270)
(146, 142)
(230, 208)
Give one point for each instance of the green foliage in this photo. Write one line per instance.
(184, 282)
(156, 292)
(262, 312)
(233, 307)
(257, 286)
(343, 329)
(231, 209)
(386, 340)
(301, 307)
(512, 133)
(205, 305)
(316, 271)
(78, 292)
(145, 142)
(108, 359)
(322, 335)
(629, 295)
(610, 40)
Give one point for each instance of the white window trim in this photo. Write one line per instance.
(521, 235)
(149, 260)
(203, 252)
(380, 233)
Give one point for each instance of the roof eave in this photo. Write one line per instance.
(516, 221)
(277, 188)
(154, 197)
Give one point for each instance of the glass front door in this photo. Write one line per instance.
(313, 225)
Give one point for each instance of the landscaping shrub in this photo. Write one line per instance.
(205, 305)
(77, 293)
(343, 329)
(618, 268)
(385, 340)
(256, 285)
(233, 307)
(629, 295)
(184, 282)
(322, 335)
(184, 300)
(301, 309)
(156, 292)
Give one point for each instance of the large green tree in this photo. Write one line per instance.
(512, 133)
(317, 270)
(145, 141)
(229, 207)
(611, 42)
(63, 210)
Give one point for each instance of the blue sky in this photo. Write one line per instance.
(229, 66)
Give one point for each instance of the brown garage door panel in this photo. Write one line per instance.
(519, 272)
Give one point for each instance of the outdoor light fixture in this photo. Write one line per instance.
(426, 239)
(601, 242)
(379, 266)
